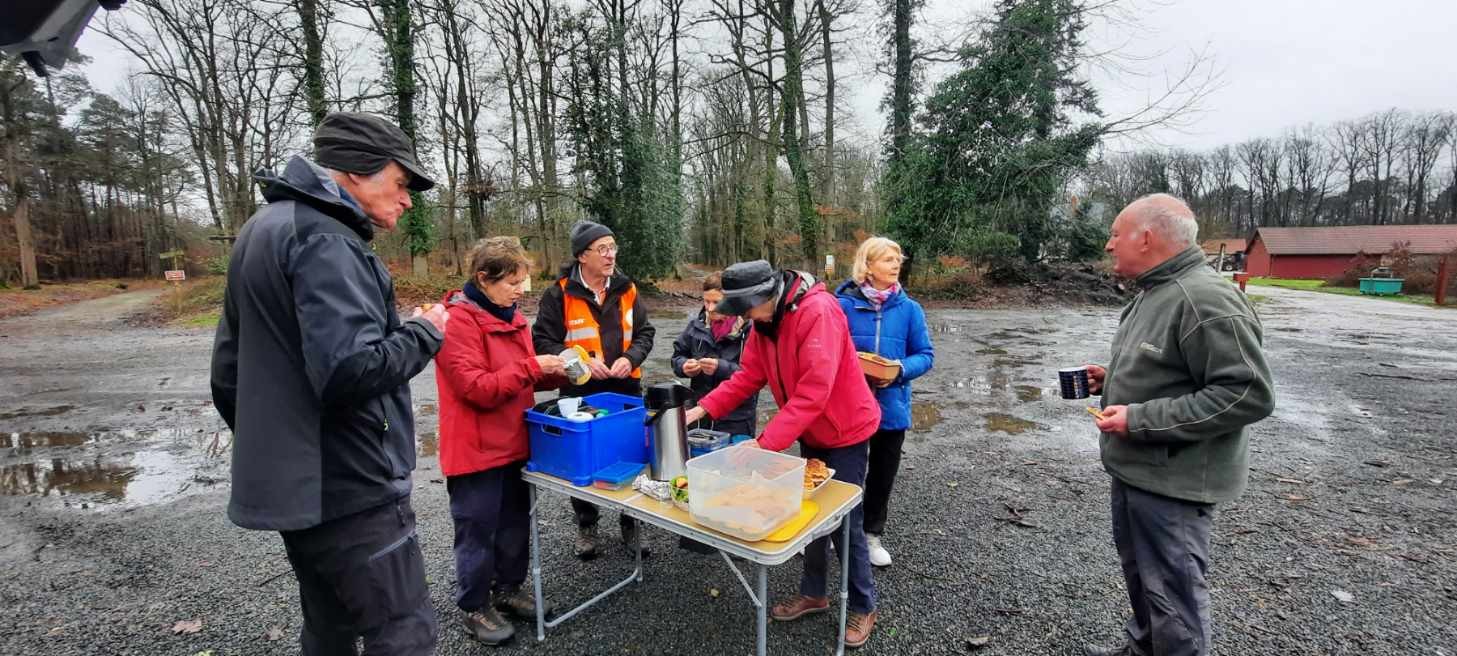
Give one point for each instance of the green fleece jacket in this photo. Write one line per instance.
(1188, 361)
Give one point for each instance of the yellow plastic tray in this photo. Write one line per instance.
(785, 533)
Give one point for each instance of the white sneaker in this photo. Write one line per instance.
(879, 557)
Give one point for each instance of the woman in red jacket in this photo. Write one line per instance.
(486, 374)
(800, 347)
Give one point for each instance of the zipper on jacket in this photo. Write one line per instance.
(878, 312)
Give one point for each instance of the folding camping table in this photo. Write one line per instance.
(835, 500)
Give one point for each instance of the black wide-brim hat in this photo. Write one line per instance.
(356, 142)
(746, 285)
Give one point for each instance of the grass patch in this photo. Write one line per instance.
(1322, 287)
(196, 303)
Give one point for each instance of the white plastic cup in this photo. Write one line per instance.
(569, 405)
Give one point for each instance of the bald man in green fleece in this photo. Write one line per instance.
(1188, 375)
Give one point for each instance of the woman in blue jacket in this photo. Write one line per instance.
(885, 321)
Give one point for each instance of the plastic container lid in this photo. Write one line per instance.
(620, 473)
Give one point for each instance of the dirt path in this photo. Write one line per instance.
(113, 485)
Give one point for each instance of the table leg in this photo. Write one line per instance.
(844, 582)
(536, 570)
(763, 610)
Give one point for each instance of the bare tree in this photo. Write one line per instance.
(1380, 146)
(1426, 135)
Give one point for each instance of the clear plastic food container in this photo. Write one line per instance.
(745, 492)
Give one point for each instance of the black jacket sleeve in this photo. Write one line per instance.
(225, 363)
(642, 334)
(682, 351)
(350, 353)
(549, 333)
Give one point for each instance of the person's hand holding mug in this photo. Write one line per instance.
(691, 367)
(1095, 378)
(551, 364)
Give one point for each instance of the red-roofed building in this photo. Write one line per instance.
(1319, 253)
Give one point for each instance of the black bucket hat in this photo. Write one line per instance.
(360, 143)
(746, 285)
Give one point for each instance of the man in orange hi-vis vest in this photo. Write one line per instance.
(597, 308)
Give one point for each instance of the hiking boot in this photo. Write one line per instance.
(488, 627)
(797, 607)
(631, 537)
(518, 602)
(587, 542)
(1125, 649)
(879, 557)
(858, 627)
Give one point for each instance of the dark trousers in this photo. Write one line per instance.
(586, 513)
(363, 575)
(1163, 545)
(491, 510)
(849, 464)
(885, 461)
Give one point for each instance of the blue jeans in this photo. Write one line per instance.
(492, 514)
(849, 463)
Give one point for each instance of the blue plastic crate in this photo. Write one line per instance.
(575, 450)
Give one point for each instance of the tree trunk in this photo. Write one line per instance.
(313, 60)
(900, 103)
(792, 98)
(400, 45)
(827, 177)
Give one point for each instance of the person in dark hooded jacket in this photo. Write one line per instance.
(707, 353)
(311, 368)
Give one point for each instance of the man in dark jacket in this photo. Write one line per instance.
(596, 307)
(311, 368)
(1188, 375)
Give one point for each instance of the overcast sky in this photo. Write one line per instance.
(1281, 63)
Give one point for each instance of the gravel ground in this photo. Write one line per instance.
(112, 525)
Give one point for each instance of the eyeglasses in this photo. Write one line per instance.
(606, 250)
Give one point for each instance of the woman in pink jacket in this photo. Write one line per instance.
(800, 348)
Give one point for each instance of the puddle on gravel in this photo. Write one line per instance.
(1026, 393)
(997, 421)
(42, 439)
(28, 411)
(924, 416)
(110, 467)
(991, 351)
(427, 444)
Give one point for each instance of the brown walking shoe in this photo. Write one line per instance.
(518, 601)
(797, 607)
(858, 627)
(488, 627)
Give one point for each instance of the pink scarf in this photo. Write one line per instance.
(723, 327)
(876, 296)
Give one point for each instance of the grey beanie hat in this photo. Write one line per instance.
(585, 232)
(746, 285)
